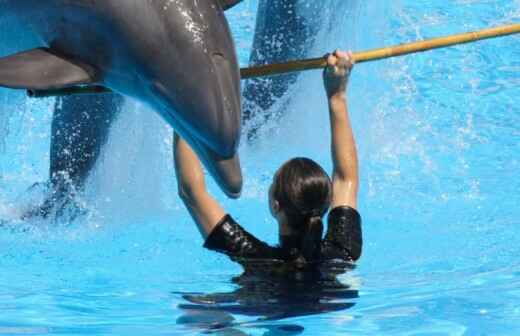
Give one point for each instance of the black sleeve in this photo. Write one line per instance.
(344, 239)
(230, 238)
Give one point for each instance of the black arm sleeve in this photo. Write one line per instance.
(344, 238)
(231, 239)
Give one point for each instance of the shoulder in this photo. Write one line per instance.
(230, 238)
(344, 239)
(344, 215)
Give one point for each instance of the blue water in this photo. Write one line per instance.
(439, 147)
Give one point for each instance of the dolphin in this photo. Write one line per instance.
(285, 30)
(293, 24)
(178, 56)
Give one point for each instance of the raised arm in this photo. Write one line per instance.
(204, 209)
(345, 178)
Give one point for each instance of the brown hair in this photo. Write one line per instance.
(303, 190)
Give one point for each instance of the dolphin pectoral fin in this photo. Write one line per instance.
(227, 4)
(41, 69)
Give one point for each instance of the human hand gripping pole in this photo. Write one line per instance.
(337, 72)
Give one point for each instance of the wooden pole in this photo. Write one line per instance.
(377, 54)
(321, 62)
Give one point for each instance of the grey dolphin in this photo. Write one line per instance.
(176, 55)
(285, 30)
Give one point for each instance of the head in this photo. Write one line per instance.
(299, 198)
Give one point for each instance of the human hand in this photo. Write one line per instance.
(337, 72)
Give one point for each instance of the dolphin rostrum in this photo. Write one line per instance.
(176, 55)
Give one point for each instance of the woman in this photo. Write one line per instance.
(299, 197)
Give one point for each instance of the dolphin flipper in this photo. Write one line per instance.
(41, 69)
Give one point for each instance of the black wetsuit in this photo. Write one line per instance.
(341, 246)
(271, 287)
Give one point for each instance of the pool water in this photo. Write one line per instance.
(439, 147)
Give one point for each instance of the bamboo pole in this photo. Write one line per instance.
(321, 62)
(378, 54)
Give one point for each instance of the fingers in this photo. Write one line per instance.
(341, 54)
(344, 58)
(332, 60)
(339, 63)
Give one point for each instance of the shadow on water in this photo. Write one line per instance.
(269, 299)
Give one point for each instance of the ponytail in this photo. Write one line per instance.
(311, 239)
